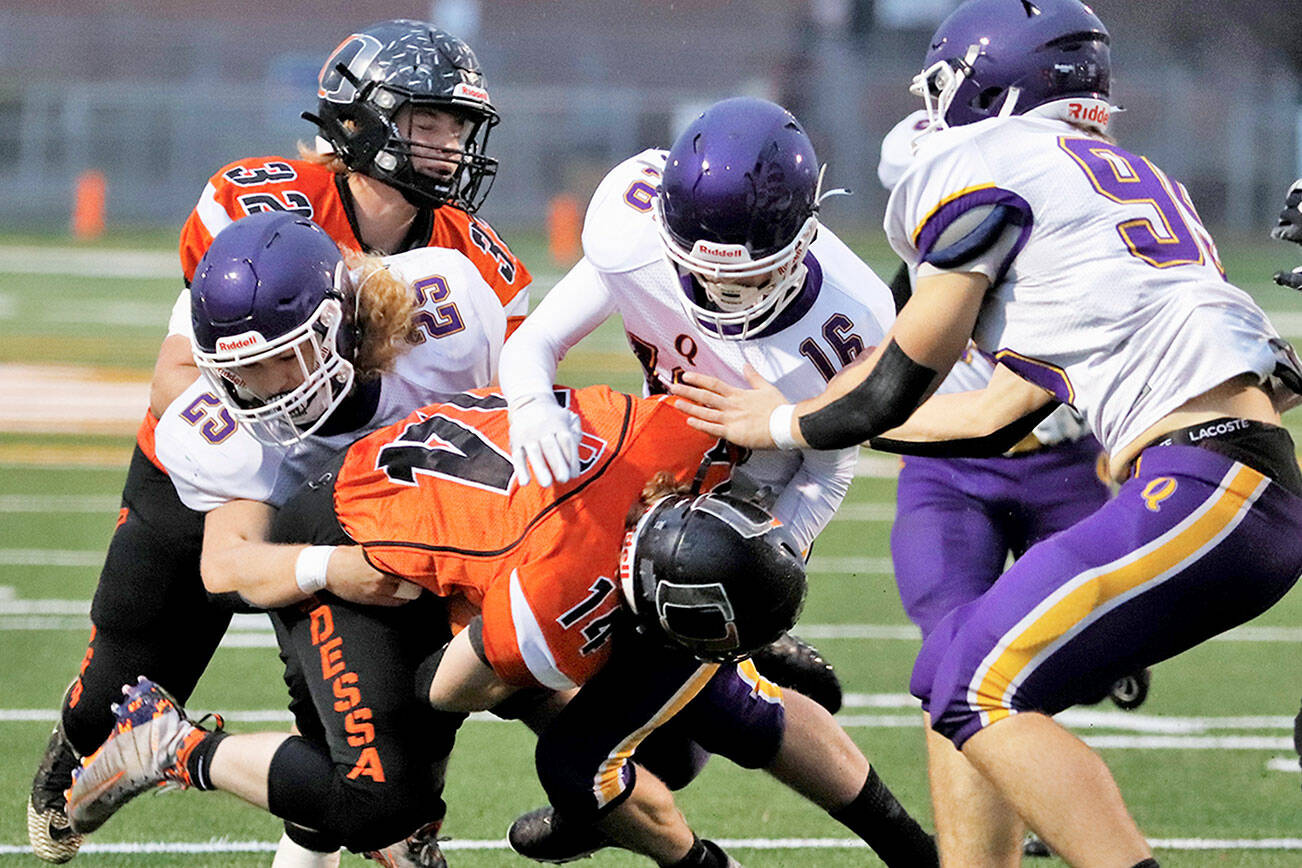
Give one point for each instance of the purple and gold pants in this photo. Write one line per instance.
(1192, 545)
(958, 519)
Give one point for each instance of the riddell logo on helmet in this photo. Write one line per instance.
(1092, 112)
(470, 92)
(240, 342)
(721, 252)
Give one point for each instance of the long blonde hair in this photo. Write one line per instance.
(385, 314)
(658, 486)
(309, 154)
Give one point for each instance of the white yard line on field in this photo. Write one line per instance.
(71, 399)
(222, 845)
(80, 262)
(55, 504)
(64, 614)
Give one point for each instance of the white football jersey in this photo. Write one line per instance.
(460, 320)
(1112, 296)
(898, 147)
(843, 310)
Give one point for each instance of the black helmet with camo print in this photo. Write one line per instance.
(375, 73)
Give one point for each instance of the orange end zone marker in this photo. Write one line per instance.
(89, 197)
(564, 227)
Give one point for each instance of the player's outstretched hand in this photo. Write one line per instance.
(351, 578)
(1289, 227)
(720, 410)
(545, 439)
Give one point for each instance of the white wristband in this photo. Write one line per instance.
(310, 568)
(780, 427)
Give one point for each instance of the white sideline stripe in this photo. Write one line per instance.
(51, 557)
(1283, 764)
(79, 262)
(876, 466)
(869, 510)
(1248, 633)
(222, 845)
(850, 564)
(56, 503)
(74, 615)
(1188, 742)
(1177, 740)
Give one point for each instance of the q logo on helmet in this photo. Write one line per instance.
(354, 54)
(700, 614)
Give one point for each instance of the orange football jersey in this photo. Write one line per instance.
(434, 499)
(312, 190)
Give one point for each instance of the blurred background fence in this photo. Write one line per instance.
(157, 94)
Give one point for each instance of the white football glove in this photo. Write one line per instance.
(544, 436)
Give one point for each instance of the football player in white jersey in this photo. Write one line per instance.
(301, 354)
(713, 256)
(400, 164)
(1085, 270)
(957, 520)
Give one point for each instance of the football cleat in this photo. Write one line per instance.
(51, 835)
(420, 849)
(541, 835)
(791, 662)
(148, 748)
(1033, 846)
(1129, 692)
(720, 856)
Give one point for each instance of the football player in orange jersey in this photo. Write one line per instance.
(404, 118)
(643, 599)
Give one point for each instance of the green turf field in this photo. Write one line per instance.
(1205, 766)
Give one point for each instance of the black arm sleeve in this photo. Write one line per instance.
(987, 446)
(887, 396)
(901, 287)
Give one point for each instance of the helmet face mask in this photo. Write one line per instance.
(287, 416)
(737, 212)
(746, 295)
(996, 58)
(372, 85)
(273, 333)
(712, 574)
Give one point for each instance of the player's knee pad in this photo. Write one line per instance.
(357, 811)
(370, 816)
(740, 716)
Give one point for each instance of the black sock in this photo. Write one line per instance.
(877, 816)
(198, 765)
(704, 854)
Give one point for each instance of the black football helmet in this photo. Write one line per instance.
(378, 71)
(714, 574)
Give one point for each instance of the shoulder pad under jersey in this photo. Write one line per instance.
(459, 317)
(210, 458)
(248, 186)
(619, 233)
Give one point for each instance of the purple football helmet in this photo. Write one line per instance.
(737, 212)
(995, 58)
(273, 287)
